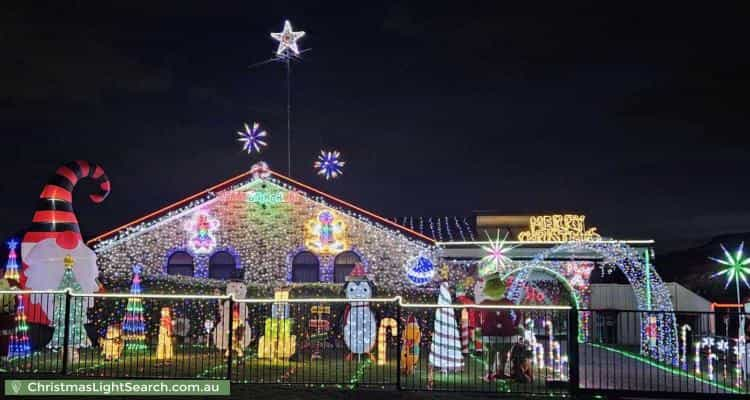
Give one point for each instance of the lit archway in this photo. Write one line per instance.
(574, 294)
(652, 296)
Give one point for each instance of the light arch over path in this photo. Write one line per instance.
(652, 295)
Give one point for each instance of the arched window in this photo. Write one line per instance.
(305, 267)
(222, 265)
(180, 263)
(343, 264)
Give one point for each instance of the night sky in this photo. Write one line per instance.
(636, 116)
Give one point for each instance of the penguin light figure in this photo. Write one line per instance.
(360, 325)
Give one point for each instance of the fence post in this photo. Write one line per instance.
(66, 336)
(399, 337)
(573, 360)
(229, 338)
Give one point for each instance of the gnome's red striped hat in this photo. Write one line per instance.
(54, 217)
(54, 212)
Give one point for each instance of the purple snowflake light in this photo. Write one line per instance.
(252, 139)
(329, 164)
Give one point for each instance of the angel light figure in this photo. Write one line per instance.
(202, 228)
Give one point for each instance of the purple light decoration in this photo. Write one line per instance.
(252, 138)
(329, 164)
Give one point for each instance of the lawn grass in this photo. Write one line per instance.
(332, 370)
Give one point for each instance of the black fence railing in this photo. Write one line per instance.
(624, 352)
(378, 343)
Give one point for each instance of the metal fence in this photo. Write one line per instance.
(622, 354)
(378, 343)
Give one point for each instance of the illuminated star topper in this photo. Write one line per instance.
(736, 266)
(496, 258)
(287, 39)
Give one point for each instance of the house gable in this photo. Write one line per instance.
(264, 223)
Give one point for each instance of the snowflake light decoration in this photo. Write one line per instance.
(736, 266)
(287, 39)
(329, 164)
(708, 341)
(252, 139)
(496, 258)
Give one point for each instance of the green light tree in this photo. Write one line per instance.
(77, 333)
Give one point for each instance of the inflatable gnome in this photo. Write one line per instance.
(242, 333)
(497, 326)
(58, 264)
(54, 233)
(360, 325)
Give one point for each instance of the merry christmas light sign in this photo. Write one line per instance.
(558, 228)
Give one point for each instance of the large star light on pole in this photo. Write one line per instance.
(287, 39)
(737, 267)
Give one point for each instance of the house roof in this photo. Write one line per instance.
(442, 229)
(245, 177)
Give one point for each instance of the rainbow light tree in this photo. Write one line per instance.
(736, 269)
(19, 345)
(11, 268)
(133, 326)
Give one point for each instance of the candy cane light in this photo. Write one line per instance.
(385, 324)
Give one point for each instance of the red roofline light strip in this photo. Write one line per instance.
(167, 208)
(243, 175)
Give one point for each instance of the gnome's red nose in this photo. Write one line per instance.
(67, 240)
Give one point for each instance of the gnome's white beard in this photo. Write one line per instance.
(46, 269)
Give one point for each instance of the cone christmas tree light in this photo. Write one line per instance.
(133, 327)
(445, 350)
(19, 345)
(77, 336)
(11, 268)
